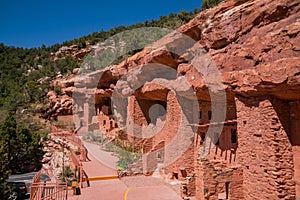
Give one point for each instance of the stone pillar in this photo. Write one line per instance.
(178, 134)
(86, 113)
(295, 139)
(199, 174)
(149, 161)
(129, 121)
(264, 148)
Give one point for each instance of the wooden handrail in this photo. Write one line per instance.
(36, 179)
(48, 190)
(76, 141)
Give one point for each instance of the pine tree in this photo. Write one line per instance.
(210, 3)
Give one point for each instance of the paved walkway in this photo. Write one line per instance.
(149, 188)
(104, 157)
(128, 188)
(102, 163)
(160, 192)
(102, 190)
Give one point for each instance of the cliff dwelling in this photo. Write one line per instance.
(253, 151)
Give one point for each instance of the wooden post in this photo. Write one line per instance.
(81, 177)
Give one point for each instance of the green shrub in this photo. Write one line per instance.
(67, 176)
(57, 90)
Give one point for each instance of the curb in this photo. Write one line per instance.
(99, 178)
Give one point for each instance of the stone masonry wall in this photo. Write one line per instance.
(265, 151)
(226, 150)
(295, 139)
(173, 131)
(176, 129)
(214, 180)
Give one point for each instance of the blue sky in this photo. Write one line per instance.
(32, 23)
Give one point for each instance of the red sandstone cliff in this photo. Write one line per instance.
(254, 44)
(255, 47)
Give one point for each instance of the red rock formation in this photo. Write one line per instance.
(255, 47)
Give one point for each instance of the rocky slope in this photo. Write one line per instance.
(254, 45)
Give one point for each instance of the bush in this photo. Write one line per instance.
(91, 136)
(126, 158)
(68, 176)
(57, 90)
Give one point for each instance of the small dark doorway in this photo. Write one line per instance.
(233, 136)
(227, 189)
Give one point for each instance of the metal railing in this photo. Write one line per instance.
(78, 142)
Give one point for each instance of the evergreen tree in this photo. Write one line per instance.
(206, 4)
(4, 172)
(19, 146)
(8, 138)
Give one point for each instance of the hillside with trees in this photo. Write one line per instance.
(25, 80)
(26, 73)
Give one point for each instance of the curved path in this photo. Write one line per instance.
(103, 164)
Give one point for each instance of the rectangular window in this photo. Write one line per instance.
(233, 136)
(175, 175)
(200, 114)
(209, 115)
(160, 156)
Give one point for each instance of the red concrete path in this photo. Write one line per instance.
(129, 188)
(160, 192)
(148, 188)
(95, 168)
(102, 190)
(104, 157)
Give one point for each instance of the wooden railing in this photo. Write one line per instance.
(78, 168)
(73, 139)
(35, 180)
(78, 142)
(47, 190)
(76, 159)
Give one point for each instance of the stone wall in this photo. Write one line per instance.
(214, 180)
(295, 140)
(106, 122)
(265, 151)
(228, 139)
(165, 137)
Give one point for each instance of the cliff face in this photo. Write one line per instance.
(254, 44)
(254, 48)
